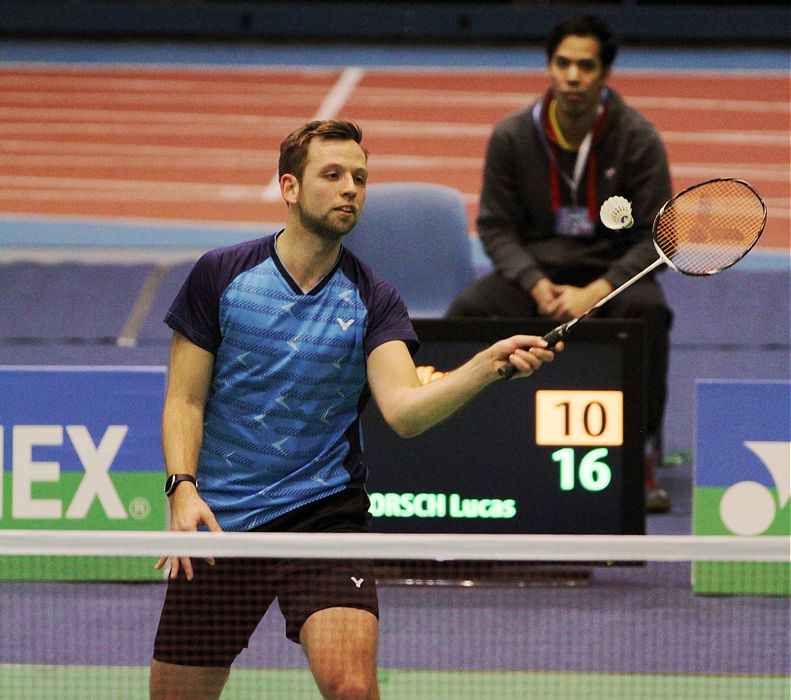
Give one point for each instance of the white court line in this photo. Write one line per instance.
(144, 300)
(183, 194)
(144, 222)
(778, 207)
(97, 130)
(70, 86)
(251, 81)
(387, 161)
(731, 138)
(332, 103)
(380, 127)
(772, 172)
(23, 151)
(63, 114)
(193, 159)
(70, 68)
(390, 96)
(200, 161)
(164, 102)
(255, 94)
(370, 96)
(21, 147)
(759, 172)
(44, 188)
(707, 104)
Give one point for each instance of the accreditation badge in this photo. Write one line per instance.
(573, 222)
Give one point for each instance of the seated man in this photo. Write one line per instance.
(548, 169)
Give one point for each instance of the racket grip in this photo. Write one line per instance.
(556, 334)
(508, 370)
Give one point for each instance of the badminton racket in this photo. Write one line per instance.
(702, 230)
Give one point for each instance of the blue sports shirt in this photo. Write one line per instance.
(282, 417)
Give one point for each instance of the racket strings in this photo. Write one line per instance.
(710, 227)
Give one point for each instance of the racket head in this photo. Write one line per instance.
(709, 226)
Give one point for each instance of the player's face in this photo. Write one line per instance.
(332, 191)
(577, 76)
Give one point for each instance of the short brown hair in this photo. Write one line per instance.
(294, 148)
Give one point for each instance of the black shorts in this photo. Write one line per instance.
(208, 621)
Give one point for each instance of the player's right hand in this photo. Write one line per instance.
(188, 511)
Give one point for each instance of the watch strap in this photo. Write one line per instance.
(175, 479)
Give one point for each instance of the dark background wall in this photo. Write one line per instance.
(764, 23)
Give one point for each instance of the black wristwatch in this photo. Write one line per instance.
(175, 479)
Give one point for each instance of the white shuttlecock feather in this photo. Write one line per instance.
(616, 213)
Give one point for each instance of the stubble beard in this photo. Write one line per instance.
(322, 226)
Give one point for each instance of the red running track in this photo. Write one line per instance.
(200, 145)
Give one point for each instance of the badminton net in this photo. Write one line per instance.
(461, 616)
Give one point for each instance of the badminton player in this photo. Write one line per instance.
(277, 343)
(548, 169)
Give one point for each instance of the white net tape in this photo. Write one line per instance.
(566, 548)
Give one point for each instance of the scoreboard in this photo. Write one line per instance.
(559, 452)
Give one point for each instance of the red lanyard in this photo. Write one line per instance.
(586, 157)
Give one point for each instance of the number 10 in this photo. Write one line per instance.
(593, 474)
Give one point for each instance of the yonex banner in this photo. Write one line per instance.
(743, 478)
(80, 449)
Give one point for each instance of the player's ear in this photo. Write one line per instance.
(289, 188)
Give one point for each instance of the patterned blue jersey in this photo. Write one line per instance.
(282, 418)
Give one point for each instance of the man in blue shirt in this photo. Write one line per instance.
(277, 345)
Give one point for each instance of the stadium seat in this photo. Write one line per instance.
(416, 236)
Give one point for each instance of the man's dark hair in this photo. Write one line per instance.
(585, 25)
(294, 148)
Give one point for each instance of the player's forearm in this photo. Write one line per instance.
(416, 409)
(182, 434)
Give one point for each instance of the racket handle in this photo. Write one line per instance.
(556, 334)
(507, 371)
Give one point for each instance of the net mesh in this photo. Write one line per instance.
(484, 617)
(710, 226)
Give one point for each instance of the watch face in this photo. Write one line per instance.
(174, 480)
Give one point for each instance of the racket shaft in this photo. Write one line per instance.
(559, 333)
(556, 334)
(625, 285)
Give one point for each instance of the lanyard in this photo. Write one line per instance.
(582, 154)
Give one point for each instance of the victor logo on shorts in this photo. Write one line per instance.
(357, 581)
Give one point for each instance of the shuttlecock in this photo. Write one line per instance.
(616, 213)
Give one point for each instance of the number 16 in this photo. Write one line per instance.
(593, 475)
